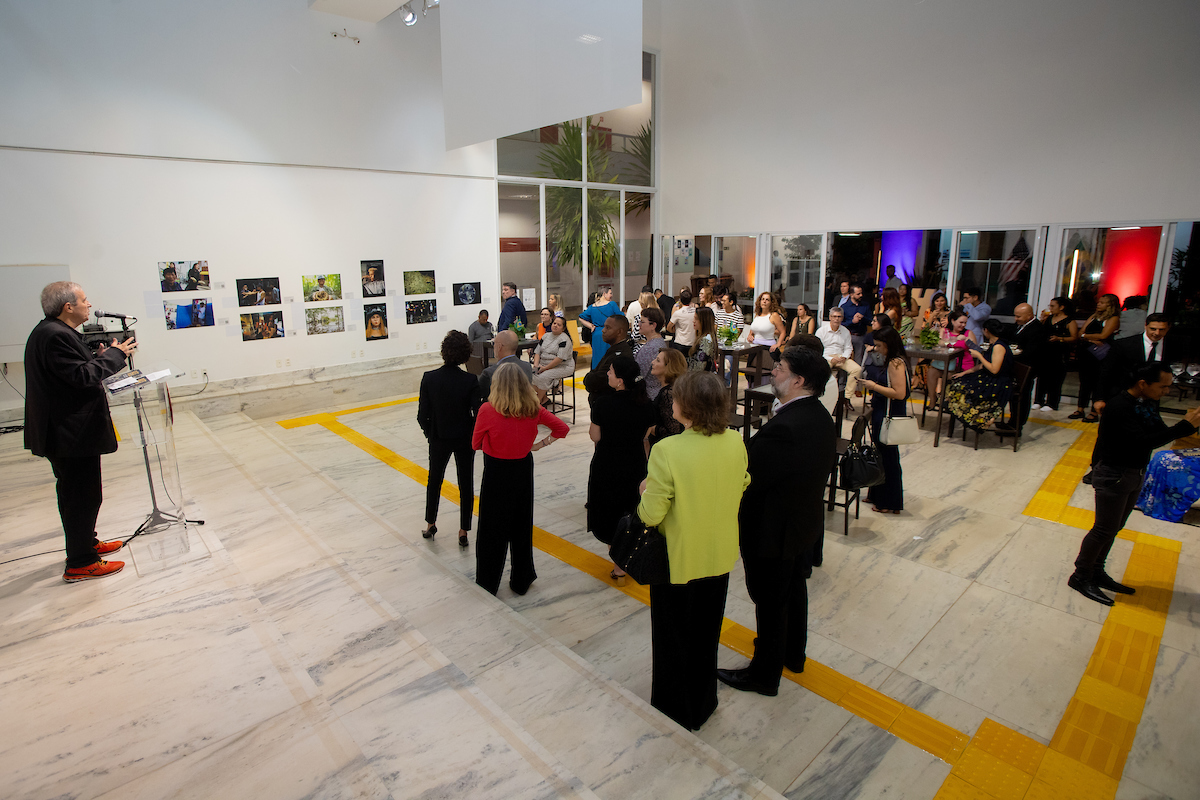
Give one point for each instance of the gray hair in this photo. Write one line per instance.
(837, 310)
(56, 295)
(510, 285)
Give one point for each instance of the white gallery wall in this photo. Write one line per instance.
(836, 114)
(191, 85)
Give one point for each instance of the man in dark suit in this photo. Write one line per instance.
(446, 413)
(67, 421)
(1029, 336)
(780, 524)
(616, 335)
(505, 347)
(1134, 352)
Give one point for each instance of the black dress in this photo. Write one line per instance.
(619, 462)
(888, 495)
(980, 397)
(1052, 370)
(664, 423)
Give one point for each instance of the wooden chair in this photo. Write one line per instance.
(558, 392)
(1021, 374)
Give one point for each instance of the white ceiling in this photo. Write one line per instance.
(365, 10)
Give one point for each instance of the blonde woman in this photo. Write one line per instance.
(555, 303)
(645, 300)
(505, 429)
(1097, 339)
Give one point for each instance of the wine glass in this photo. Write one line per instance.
(1177, 368)
(1193, 370)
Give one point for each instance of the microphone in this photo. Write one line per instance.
(100, 314)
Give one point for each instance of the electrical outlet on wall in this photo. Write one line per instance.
(278, 363)
(287, 362)
(360, 353)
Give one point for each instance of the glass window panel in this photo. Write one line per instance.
(624, 137)
(1182, 301)
(736, 263)
(1117, 260)
(997, 263)
(520, 245)
(564, 257)
(919, 256)
(639, 255)
(551, 152)
(604, 228)
(796, 270)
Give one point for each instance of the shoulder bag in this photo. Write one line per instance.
(861, 466)
(900, 429)
(641, 551)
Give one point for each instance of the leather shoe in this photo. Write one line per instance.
(799, 666)
(740, 679)
(1102, 579)
(1089, 590)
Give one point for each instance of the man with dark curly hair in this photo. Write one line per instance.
(446, 414)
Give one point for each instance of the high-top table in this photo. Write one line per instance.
(943, 358)
(740, 351)
(523, 345)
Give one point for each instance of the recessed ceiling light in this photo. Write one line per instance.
(588, 38)
(966, 233)
(1127, 228)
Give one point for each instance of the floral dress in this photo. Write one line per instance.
(980, 397)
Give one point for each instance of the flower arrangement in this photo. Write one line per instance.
(728, 334)
(931, 337)
(518, 328)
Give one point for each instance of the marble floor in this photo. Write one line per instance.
(307, 642)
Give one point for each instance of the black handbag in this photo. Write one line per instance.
(641, 551)
(861, 466)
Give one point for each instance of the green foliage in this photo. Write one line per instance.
(930, 337)
(564, 206)
(641, 173)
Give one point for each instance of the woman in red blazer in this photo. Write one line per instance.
(505, 429)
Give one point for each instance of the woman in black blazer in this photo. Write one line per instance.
(446, 414)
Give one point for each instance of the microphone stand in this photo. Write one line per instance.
(157, 519)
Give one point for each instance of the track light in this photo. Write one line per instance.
(410, 16)
(428, 4)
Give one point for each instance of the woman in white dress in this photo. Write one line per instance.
(552, 358)
(767, 326)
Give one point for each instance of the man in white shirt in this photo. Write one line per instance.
(681, 325)
(838, 351)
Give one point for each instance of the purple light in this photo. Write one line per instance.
(900, 248)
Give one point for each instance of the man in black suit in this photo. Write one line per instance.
(1029, 336)
(1134, 352)
(505, 347)
(780, 524)
(616, 334)
(67, 421)
(446, 413)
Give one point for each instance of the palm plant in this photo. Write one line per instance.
(641, 148)
(564, 205)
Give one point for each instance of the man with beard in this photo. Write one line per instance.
(781, 525)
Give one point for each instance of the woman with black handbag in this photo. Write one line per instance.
(887, 400)
(692, 493)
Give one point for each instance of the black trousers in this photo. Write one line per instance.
(440, 451)
(505, 520)
(1116, 493)
(1050, 376)
(780, 594)
(685, 630)
(79, 499)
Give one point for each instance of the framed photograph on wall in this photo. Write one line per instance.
(329, 319)
(183, 276)
(420, 282)
(267, 325)
(318, 288)
(196, 313)
(418, 311)
(467, 294)
(372, 278)
(258, 291)
(375, 320)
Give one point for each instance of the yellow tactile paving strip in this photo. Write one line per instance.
(1087, 755)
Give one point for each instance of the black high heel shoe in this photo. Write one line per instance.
(463, 541)
(429, 533)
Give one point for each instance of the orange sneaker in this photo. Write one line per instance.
(104, 548)
(101, 569)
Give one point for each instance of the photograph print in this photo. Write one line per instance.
(375, 320)
(267, 325)
(258, 291)
(419, 282)
(467, 294)
(324, 320)
(321, 287)
(372, 278)
(192, 314)
(183, 276)
(417, 311)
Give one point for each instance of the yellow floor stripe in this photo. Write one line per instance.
(1086, 757)
(912, 726)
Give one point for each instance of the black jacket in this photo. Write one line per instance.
(596, 381)
(449, 399)
(1129, 355)
(783, 509)
(66, 407)
(1032, 341)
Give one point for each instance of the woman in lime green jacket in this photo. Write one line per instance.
(692, 491)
